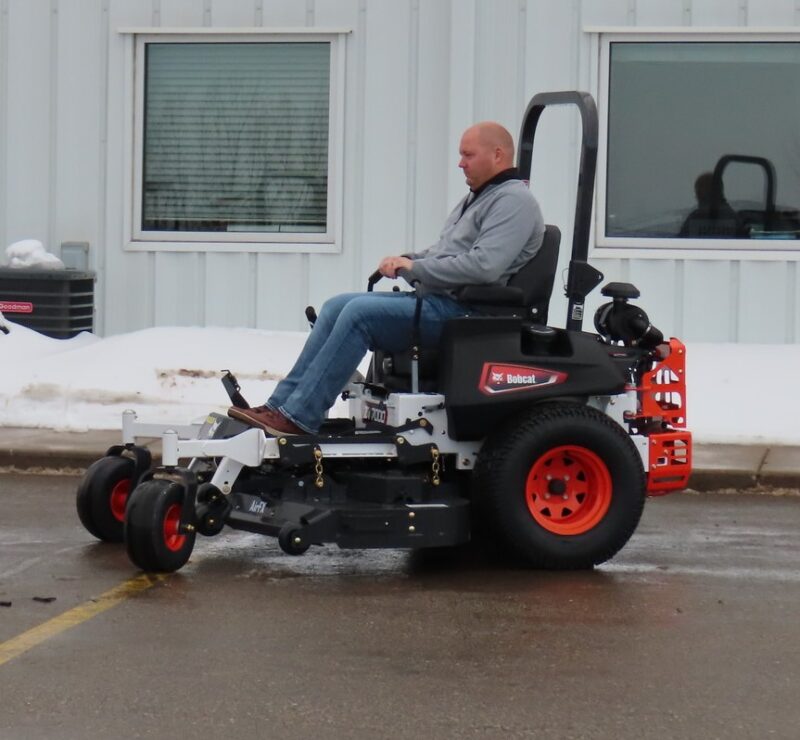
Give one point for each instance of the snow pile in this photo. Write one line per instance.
(737, 393)
(31, 253)
(166, 375)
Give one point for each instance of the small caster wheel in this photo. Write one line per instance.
(153, 535)
(292, 541)
(209, 524)
(103, 495)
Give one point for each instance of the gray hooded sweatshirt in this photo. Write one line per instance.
(485, 244)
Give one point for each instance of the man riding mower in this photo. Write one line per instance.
(556, 436)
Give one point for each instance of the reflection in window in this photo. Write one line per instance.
(703, 140)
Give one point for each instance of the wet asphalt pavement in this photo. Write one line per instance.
(692, 631)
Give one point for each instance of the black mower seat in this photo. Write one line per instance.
(530, 287)
(527, 294)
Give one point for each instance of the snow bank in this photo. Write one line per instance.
(165, 375)
(31, 253)
(737, 393)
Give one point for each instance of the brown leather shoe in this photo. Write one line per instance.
(257, 416)
(280, 426)
(263, 417)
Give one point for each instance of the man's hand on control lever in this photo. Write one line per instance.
(390, 265)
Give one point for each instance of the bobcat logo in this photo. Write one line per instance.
(497, 378)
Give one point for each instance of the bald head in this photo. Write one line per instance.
(486, 150)
(495, 136)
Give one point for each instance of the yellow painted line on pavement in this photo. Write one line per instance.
(20, 644)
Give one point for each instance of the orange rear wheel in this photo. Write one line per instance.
(568, 490)
(562, 486)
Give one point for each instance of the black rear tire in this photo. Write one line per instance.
(152, 536)
(563, 487)
(102, 497)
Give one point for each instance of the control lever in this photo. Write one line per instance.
(232, 388)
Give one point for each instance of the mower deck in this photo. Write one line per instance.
(333, 517)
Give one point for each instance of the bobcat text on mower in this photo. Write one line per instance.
(551, 438)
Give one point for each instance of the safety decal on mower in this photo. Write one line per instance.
(502, 378)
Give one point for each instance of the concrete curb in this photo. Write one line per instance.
(745, 466)
(50, 451)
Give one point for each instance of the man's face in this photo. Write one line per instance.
(478, 161)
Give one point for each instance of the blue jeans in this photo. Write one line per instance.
(347, 326)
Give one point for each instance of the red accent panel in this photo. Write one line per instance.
(662, 394)
(16, 307)
(670, 462)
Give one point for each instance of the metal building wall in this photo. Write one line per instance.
(417, 73)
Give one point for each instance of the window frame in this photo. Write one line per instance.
(666, 247)
(329, 241)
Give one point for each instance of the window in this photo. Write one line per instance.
(701, 144)
(235, 140)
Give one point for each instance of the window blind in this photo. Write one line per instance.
(236, 137)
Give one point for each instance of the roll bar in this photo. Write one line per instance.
(582, 277)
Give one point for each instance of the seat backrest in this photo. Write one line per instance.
(536, 277)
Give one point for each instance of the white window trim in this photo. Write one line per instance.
(604, 247)
(138, 241)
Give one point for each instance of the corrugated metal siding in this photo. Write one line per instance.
(417, 73)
